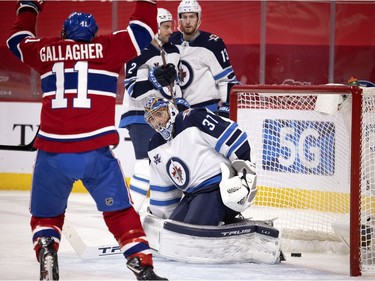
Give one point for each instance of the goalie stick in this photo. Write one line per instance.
(27, 147)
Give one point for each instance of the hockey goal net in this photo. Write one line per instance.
(315, 154)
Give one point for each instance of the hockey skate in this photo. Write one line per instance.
(49, 268)
(142, 272)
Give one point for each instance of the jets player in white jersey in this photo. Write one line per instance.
(202, 156)
(139, 84)
(205, 72)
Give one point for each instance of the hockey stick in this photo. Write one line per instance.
(162, 54)
(82, 249)
(27, 147)
(170, 87)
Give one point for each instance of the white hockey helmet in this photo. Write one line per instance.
(189, 6)
(163, 16)
(161, 114)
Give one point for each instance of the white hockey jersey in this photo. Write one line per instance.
(190, 162)
(205, 73)
(138, 87)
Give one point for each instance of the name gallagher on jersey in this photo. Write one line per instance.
(71, 52)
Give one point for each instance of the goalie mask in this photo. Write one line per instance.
(80, 27)
(160, 114)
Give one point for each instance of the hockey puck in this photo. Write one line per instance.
(298, 255)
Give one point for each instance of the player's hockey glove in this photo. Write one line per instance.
(162, 76)
(36, 5)
(238, 185)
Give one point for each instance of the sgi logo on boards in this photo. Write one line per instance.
(301, 147)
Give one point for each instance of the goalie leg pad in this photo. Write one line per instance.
(245, 241)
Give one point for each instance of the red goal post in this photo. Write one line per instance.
(314, 149)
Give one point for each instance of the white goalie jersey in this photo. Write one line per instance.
(190, 161)
(205, 73)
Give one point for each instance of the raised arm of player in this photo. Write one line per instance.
(143, 24)
(141, 29)
(24, 25)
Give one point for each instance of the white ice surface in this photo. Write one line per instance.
(17, 259)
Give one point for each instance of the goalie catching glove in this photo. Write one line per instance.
(238, 185)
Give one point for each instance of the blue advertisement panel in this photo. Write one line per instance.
(299, 147)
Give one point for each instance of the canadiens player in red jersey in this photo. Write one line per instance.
(79, 72)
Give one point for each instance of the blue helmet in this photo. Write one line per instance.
(160, 114)
(80, 27)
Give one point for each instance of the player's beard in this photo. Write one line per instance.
(189, 30)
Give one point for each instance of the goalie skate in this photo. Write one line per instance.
(49, 268)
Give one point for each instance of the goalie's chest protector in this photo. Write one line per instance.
(189, 161)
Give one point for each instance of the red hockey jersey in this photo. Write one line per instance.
(79, 80)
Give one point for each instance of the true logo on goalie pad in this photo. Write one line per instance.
(223, 231)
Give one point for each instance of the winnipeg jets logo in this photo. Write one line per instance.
(181, 74)
(157, 159)
(185, 74)
(178, 172)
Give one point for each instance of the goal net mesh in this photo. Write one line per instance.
(301, 141)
